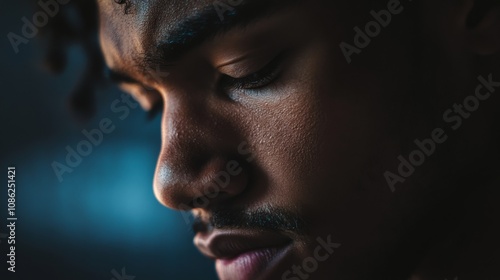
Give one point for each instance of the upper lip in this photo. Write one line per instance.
(228, 244)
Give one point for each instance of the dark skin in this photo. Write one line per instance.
(311, 136)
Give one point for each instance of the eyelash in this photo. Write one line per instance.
(254, 81)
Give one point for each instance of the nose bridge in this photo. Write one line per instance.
(186, 125)
(186, 134)
(197, 144)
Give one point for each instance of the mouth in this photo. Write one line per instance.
(243, 254)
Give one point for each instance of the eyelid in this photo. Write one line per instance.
(255, 80)
(234, 60)
(247, 64)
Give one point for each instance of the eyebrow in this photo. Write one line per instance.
(207, 24)
(197, 29)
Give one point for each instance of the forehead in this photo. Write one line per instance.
(124, 36)
(149, 11)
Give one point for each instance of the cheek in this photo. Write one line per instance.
(287, 138)
(316, 134)
(318, 146)
(323, 149)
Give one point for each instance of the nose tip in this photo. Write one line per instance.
(217, 181)
(200, 163)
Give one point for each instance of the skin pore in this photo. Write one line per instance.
(321, 132)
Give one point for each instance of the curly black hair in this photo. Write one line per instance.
(76, 24)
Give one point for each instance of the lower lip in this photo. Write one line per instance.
(248, 266)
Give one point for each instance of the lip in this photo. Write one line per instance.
(243, 255)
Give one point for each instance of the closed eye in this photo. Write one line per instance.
(268, 74)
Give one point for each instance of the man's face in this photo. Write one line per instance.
(276, 142)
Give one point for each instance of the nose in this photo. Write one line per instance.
(199, 165)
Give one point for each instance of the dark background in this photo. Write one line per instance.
(103, 216)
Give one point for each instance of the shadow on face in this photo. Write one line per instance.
(289, 126)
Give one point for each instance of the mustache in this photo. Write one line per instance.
(264, 218)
